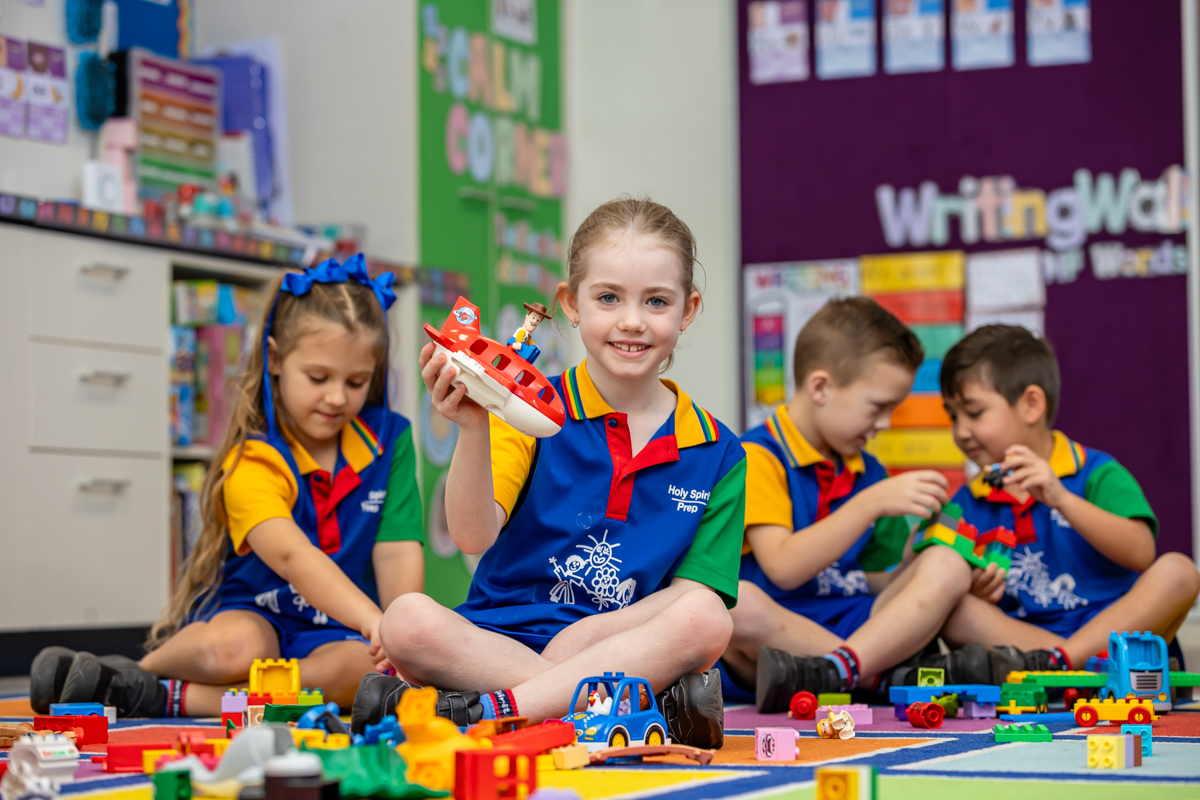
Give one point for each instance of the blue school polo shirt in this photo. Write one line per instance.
(1054, 569)
(371, 496)
(783, 487)
(593, 528)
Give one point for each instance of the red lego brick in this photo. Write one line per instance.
(231, 716)
(258, 698)
(508, 774)
(192, 743)
(88, 730)
(128, 757)
(537, 738)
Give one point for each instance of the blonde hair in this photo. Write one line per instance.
(349, 304)
(630, 216)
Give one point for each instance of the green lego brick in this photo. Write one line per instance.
(927, 676)
(281, 713)
(1022, 733)
(833, 699)
(1021, 692)
(1069, 680)
(310, 697)
(949, 702)
(173, 784)
(1183, 679)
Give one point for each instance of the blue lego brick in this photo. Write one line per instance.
(976, 693)
(1147, 734)
(1047, 718)
(76, 709)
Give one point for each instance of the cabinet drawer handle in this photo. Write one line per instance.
(101, 377)
(109, 486)
(107, 271)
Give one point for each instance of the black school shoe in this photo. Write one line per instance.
(1006, 658)
(975, 664)
(781, 675)
(47, 675)
(694, 710)
(378, 695)
(114, 681)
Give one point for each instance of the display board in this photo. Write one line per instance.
(1044, 145)
(492, 178)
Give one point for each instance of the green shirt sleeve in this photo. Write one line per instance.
(1113, 488)
(715, 555)
(400, 520)
(886, 547)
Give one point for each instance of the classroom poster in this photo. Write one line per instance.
(779, 299)
(34, 93)
(982, 32)
(492, 161)
(777, 41)
(1006, 287)
(13, 108)
(1059, 32)
(845, 38)
(914, 36)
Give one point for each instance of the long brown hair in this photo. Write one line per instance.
(639, 216)
(348, 304)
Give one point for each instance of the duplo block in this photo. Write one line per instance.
(173, 784)
(1114, 752)
(927, 676)
(76, 709)
(1022, 733)
(776, 744)
(234, 702)
(833, 699)
(1147, 734)
(860, 712)
(973, 710)
(845, 783)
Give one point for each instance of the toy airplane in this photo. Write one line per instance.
(496, 377)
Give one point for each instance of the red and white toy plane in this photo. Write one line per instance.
(496, 377)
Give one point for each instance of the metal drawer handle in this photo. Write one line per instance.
(100, 377)
(108, 486)
(104, 271)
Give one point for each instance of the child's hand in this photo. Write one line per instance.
(1032, 474)
(450, 401)
(988, 583)
(919, 493)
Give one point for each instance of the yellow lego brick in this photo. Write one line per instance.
(941, 533)
(149, 757)
(269, 675)
(1106, 752)
(1018, 676)
(219, 746)
(912, 272)
(311, 736)
(916, 447)
(1116, 710)
(845, 783)
(573, 756)
(545, 762)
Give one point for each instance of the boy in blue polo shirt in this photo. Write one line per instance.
(1085, 564)
(814, 580)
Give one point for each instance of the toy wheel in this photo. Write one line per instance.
(934, 714)
(1139, 716)
(618, 738)
(654, 736)
(1087, 716)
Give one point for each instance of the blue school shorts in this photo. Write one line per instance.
(297, 637)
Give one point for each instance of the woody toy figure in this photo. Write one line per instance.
(522, 341)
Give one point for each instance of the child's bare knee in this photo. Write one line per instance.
(227, 655)
(944, 570)
(700, 617)
(751, 616)
(408, 624)
(1178, 572)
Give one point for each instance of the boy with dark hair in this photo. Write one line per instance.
(1085, 564)
(814, 576)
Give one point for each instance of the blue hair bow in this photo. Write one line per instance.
(301, 283)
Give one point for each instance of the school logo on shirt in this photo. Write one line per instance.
(374, 501)
(597, 575)
(1028, 574)
(849, 584)
(691, 501)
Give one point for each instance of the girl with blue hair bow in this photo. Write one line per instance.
(312, 519)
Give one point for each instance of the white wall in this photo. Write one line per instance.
(33, 168)
(350, 73)
(652, 109)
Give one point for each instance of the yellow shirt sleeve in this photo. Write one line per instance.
(261, 487)
(512, 457)
(768, 501)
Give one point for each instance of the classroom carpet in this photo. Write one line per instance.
(958, 760)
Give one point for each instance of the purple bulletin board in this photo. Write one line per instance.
(814, 152)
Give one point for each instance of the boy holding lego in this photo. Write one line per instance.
(815, 578)
(1085, 564)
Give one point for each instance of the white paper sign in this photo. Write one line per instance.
(777, 41)
(1005, 279)
(845, 38)
(983, 34)
(1060, 32)
(914, 36)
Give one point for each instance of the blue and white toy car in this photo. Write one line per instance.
(617, 719)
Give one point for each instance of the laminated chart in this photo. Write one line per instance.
(925, 291)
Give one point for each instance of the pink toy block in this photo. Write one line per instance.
(978, 710)
(776, 744)
(232, 703)
(859, 712)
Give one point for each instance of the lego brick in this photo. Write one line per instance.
(259, 698)
(845, 783)
(310, 697)
(1022, 733)
(860, 712)
(1113, 752)
(282, 713)
(275, 675)
(916, 447)
(128, 757)
(1074, 679)
(979, 693)
(484, 774)
(833, 699)
(1062, 716)
(307, 736)
(537, 738)
(912, 272)
(284, 698)
(54, 757)
(76, 710)
(232, 717)
(927, 676)
(776, 744)
(110, 712)
(949, 703)
(1136, 712)
(973, 710)
(150, 759)
(234, 702)
(219, 746)
(173, 785)
(1147, 734)
(88, 730)
(573, 756)
(253, 715)
(545, 762)
(1188, 679)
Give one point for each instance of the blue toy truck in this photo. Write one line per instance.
(627, 715)
(1136, 666)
